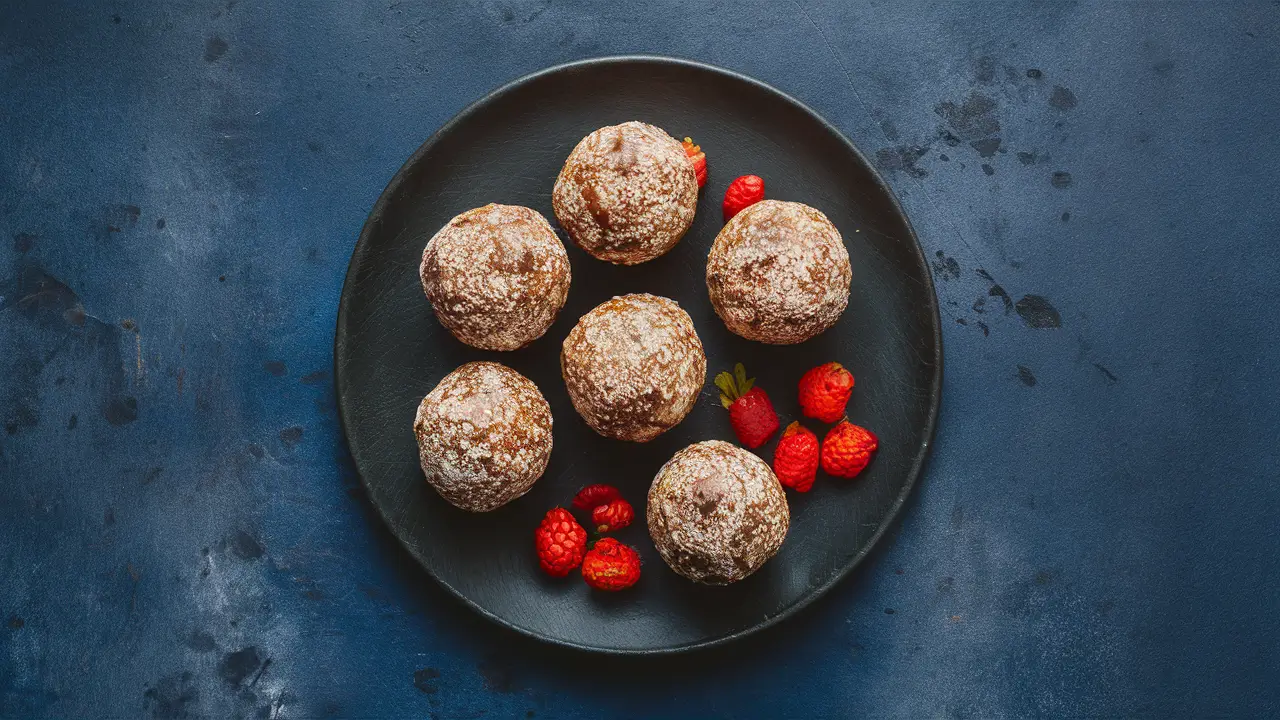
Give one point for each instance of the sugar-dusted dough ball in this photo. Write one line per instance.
(717, 512)
(496, 276)
(627, 193)
(484, 436)
(634, 366)
(779, 273)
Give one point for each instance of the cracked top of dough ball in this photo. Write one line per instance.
(496, 276)
(634, 366)
(779, 273)
(717, 512)
(627, 193)
(484, 436)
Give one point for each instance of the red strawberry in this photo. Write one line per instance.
(746, 190)
(750, 411)
(824, 391)
(795, 461)
(698, 158)
(611, 566)
(847, 449)
(612, 516)
(561, 542)
(593, 496)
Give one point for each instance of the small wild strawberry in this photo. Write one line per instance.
(610, 565)
(743, 192)
(847, 449)
(698, 159)
(750, 411)
(560, 541)
(795, 461)
(593, 496)
(824, 392)
(611, 516)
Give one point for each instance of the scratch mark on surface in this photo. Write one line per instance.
(1111, 378)
(135, 575)
(265, 664)
(834, 53)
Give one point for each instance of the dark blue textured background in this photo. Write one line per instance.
(180, 188)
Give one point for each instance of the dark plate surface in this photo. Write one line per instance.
(507, 148)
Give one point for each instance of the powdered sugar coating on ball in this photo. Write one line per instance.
(779, 273)
(634, 366)
(717, 512)
(627, 193)
(496, 276)
(484, 436)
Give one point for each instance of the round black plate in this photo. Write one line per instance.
(507, 148)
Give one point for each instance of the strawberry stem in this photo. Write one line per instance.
(734, 385)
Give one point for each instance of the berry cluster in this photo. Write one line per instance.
(824, 394)
(562, 545)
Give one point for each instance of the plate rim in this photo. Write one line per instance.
(918, 464)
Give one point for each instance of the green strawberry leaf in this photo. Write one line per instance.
(724, 381)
